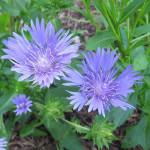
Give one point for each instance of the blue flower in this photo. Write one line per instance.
(23, 104)
(3, 143)
(99, 85)
(43, 58)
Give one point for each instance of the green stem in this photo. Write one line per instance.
(11, 20)
(75, 125)
(17, 26)
(128, 28)
(90, 15)
(52, 14)
(139, 38)
(115, 28)
(134, 25)
(108, 19)
(11, 24)
(113, 15)
(39, 106)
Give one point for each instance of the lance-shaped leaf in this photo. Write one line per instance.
(102, 39)
(10, 9)
(131, 9)
(6, 101)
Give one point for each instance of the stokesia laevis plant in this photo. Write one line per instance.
(23, 104)
(3, 143)
(99, 86)
(43, 58)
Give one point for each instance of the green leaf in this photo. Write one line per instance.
(147, 9)
(81, 11)
(81, 56)
(10, 9)
(146, 108)
(71, 142)
(141, 30)
(4, 35)
(124, 36)
(140, 43)
(99, 7)
(138, 134)
(57, 130)
(74, 64)
(137, 51)
(28, 129)
(2, 128)
(54, 93)
(20, 4)
(140, 62)
(4, 24)
(3, 132)
(38, 133)
(65, 135)
(9, 124)
(41, 3)
(119, 115)
(147, 81)
(57, 24)
(6, 101)
(102, 39)
(34, 13)
(59, 92)
(77, 32)
(131, 9)
(101, 11)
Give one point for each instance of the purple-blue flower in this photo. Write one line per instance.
(3, 143)
(23, 104)
(44, 57)
(99, 85)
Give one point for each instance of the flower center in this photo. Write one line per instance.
(100, 90)
(22, 105)
(44, 64)
(101, 87)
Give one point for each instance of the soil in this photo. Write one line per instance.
(74, 21)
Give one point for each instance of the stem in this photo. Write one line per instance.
(108, 19)
(116, 30)
(139, 38)
(128, 28)
(134, 25)
(52, 14)
(11, 24)
(75, 125)
(113, 15)
(11, 20)
(39, 106)
(90, 15)
(117, 9)
(17, 26)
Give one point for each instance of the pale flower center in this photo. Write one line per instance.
(21, 105)
(102, 88)
(43, 65)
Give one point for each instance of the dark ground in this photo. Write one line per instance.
(48, 143)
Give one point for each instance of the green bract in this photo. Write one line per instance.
(101, 132)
